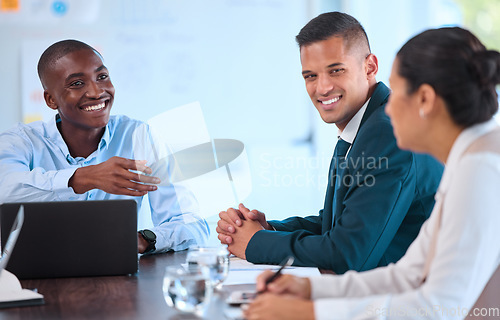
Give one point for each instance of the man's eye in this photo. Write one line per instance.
(102, 77)
(334, 71)
(309, 76)
(76, 83)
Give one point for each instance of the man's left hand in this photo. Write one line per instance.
(241, 237)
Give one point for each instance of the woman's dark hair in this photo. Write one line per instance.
(459, 68)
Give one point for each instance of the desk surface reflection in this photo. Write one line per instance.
(119, 297)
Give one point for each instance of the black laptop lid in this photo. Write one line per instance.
(72, 239)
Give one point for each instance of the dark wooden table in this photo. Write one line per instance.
(138, 296)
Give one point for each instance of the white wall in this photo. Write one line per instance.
(237, 57)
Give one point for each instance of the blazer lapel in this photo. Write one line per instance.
(379, 97)
(332, 211)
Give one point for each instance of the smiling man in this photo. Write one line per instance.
(83, 153)
(377, 197)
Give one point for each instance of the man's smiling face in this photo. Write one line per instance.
(337, 79)
(79, 87)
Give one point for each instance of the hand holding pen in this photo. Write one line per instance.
(285, 263)
(285, 297)
(286, 284)
(278, 283)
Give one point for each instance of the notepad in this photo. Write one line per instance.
(244, 272)
(13, 295)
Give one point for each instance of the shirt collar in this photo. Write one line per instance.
(106, 137)
(52, 133)
(351, 129)
(461, 144)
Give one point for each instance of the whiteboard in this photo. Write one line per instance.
(238, 58)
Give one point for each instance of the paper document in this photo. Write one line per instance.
(244, 272)
(13, 295)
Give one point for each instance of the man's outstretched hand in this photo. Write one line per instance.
(114, 176)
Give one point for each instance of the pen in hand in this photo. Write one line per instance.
(285, 263)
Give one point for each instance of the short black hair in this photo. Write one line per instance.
(331, 24)
(457, 65)
(57, 51)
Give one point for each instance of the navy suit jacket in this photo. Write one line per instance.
(374, 219)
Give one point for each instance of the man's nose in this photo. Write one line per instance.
(325, 85)
(94, 90)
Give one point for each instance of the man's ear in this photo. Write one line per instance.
(371, 66)
(49, 100)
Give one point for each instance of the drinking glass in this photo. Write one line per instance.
(216, 259)
(187, 290)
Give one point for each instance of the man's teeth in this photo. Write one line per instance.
(331, 100)
(95, 108)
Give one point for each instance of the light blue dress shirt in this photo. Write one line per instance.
(35, 165)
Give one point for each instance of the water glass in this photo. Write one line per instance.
(216, 259)
(187, 290)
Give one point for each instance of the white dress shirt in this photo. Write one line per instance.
(351, 129)
(467, 249)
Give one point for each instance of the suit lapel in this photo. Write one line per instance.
(378, 98)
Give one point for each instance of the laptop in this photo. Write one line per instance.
(72, 238)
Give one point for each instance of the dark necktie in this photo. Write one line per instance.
(341, 148)
(337, 170)
(338, 164)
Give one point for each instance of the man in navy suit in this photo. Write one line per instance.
(378, 195)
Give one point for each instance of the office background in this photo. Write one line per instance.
(238, 58)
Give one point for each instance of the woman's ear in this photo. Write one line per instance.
(426, 99)
(49, 100)
(371, 66)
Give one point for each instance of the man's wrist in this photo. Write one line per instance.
(269, 227)
(150, 237)
(77, 181)
(141, 244)
(307, 285)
